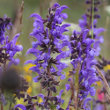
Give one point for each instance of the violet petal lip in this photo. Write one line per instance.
(20, 106)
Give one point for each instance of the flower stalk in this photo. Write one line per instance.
(92, 32)
(77, 85)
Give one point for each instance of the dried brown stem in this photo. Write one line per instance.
(107, 88)
(16, 28)
(1, 106)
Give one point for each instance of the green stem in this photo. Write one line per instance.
(10, 105)
(92, 105)
(77, 85)
(92, 31)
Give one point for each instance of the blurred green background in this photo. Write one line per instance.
(75, 10)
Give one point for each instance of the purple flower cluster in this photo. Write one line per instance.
(84, 47)
(49, 50)
(10, 81)
(92, 11)
(83, 54)
(8, 48)
(89, 21)
(4, 23)
(11, 49)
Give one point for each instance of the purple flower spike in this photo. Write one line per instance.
(48, 50)
(84, 47)
(11, 49)
(8, 48)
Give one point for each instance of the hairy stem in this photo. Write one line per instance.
(77, 85)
